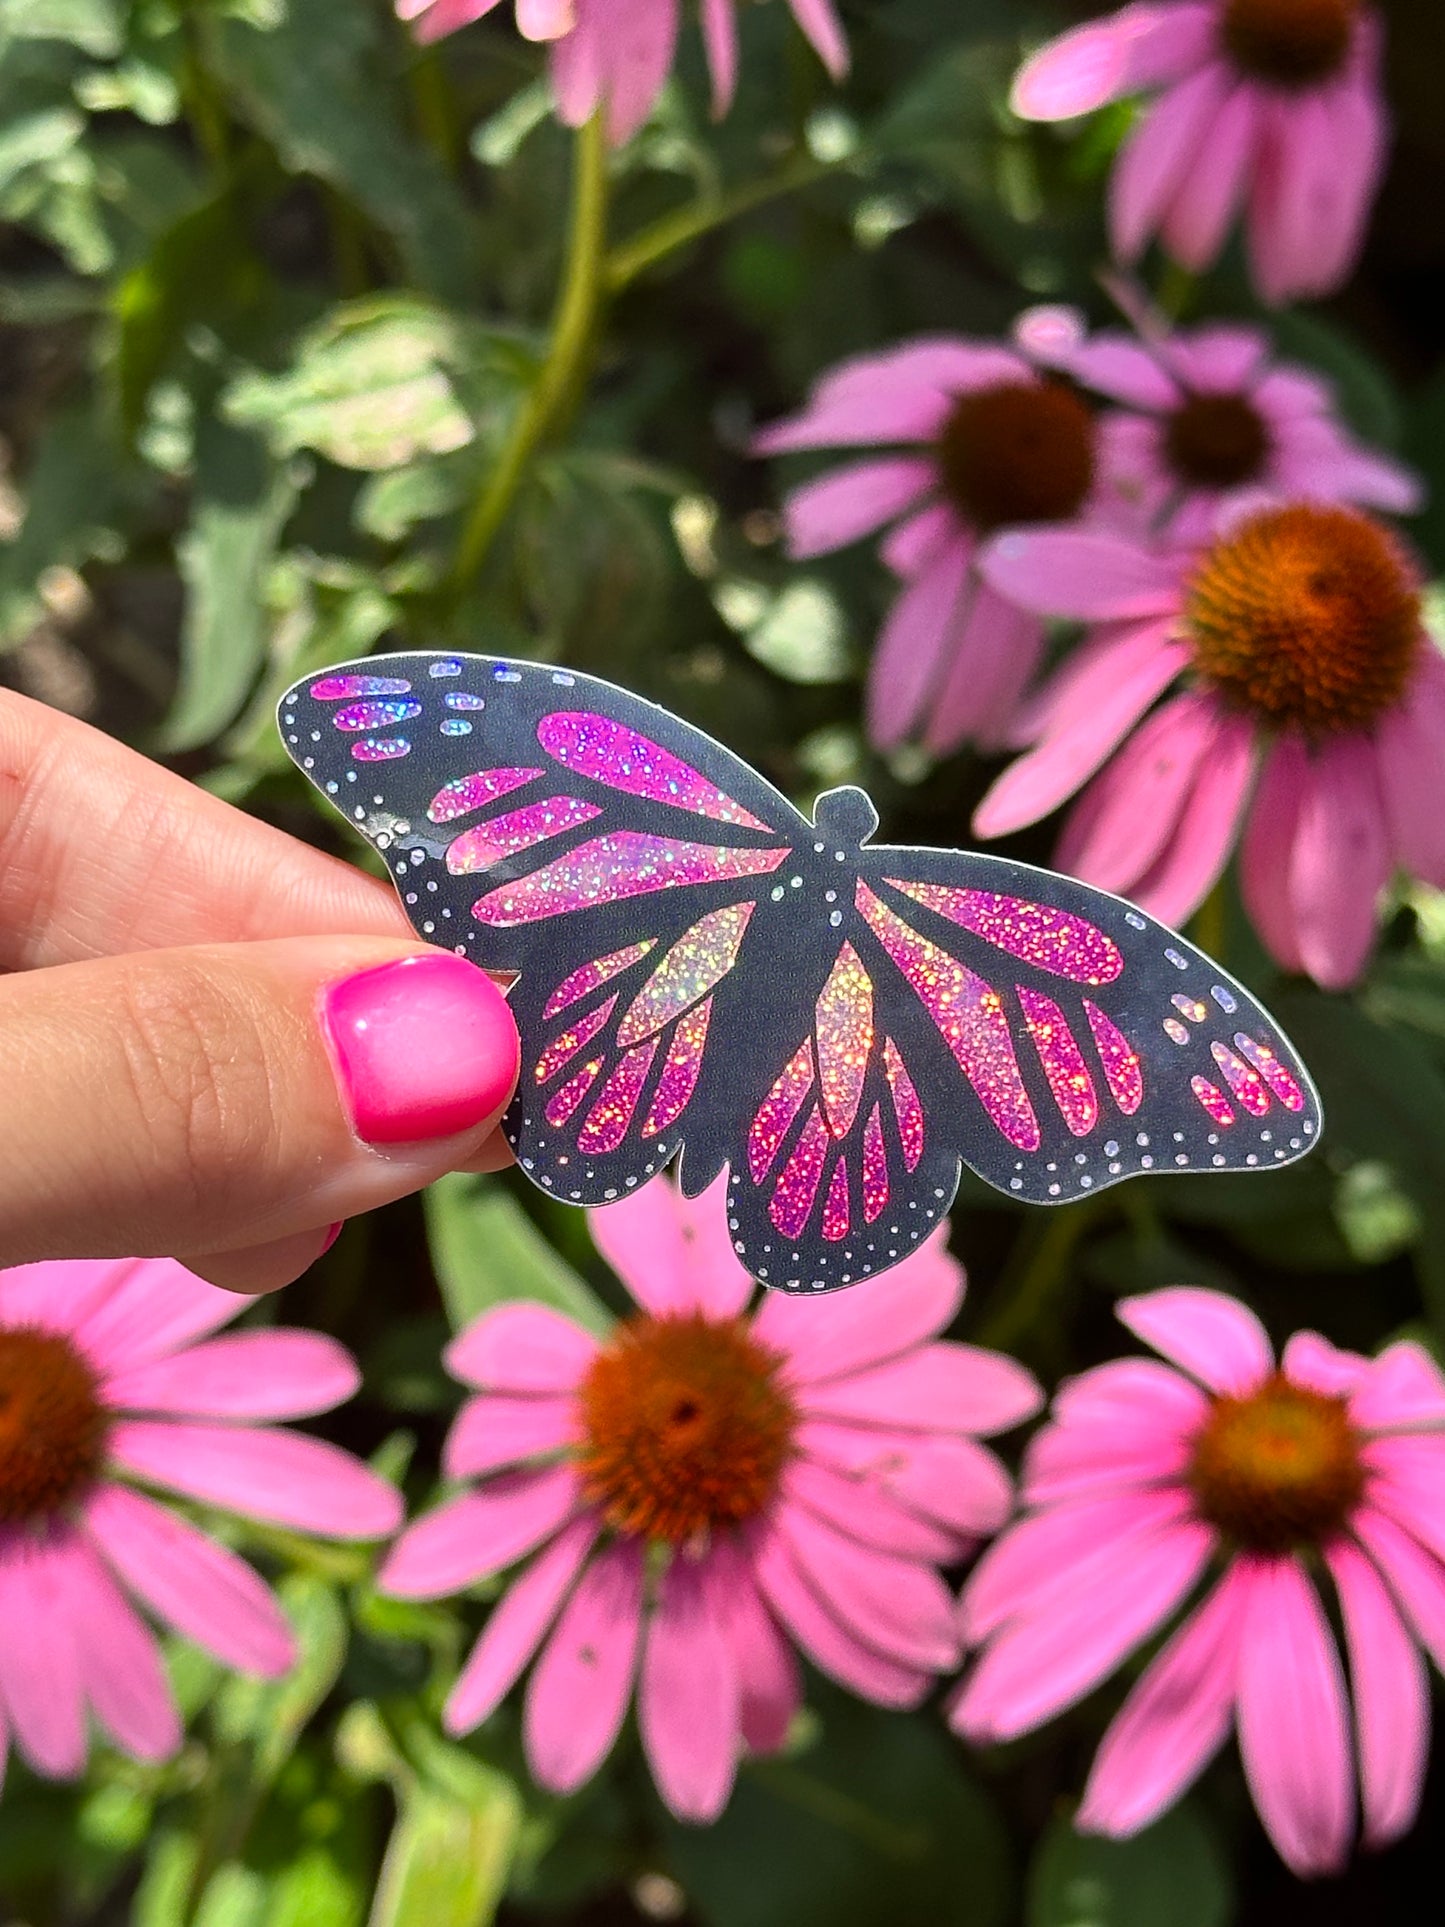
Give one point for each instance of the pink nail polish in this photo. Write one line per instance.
(423, 1048)
(333, 1232)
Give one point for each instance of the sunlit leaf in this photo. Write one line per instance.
(486, 1251)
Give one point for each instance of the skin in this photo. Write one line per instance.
(167, 1089)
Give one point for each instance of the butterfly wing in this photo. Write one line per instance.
(551, 827)
(906, 1011)
(1065, 1040)
(842, 1171)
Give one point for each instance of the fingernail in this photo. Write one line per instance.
(423, 1048)
(333, 1233)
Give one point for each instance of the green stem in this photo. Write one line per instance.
(569, 347)
(435, 106)
(672, 231)
(1210, 929)
(1176, 291)
(203, 101)
(1025, 1293)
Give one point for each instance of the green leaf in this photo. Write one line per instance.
(879, 1824)
(1377, 1219)
(487, 1251)
(36, 141)
(451, 1849)
(241, 502)
(92, 25)
(1383, 1098)
(269, 1715)
(1172, 1873)
(317, 81)
(315, 1889)
(160, 1900)
(72, 499)
(369, 388)
(1364, 389)
(234, 1897)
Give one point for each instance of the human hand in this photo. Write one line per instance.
(217, 1042)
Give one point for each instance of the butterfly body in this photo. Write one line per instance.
(838, 1024)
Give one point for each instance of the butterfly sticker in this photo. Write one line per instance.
(839, 1025)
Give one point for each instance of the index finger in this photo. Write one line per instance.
(102, 852)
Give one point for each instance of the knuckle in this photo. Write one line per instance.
(201, 1077)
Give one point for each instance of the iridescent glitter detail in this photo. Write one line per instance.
(380, 749)
(612, 868)
(1272, 1071)
(469, 793)
(571, 1041)
(463, 699)
(793, 1195)
(449, 667)
(565, 1101)
(377, 715)
(679, 1071)
(613, 754)
(698, 960)
(1063, 1062)
(454, 726)
(835, 1208)
(906, 1107)
(1175, 1030)
(486, 844)
(844, 1022)
(970, 1018)
(606, 1123)
(593, 975)
(1246, 1083)
(340, 689)
(1120, 1060)
(1213, 1100)
(776, 1113)
(1035, 933)
(875, 1169)
(1189, 1007)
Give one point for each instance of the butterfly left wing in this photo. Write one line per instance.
(603, 853)
(1067, 1040)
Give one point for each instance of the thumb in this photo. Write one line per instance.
(241, 1097)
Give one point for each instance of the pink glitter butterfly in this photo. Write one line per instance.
(840, 1027)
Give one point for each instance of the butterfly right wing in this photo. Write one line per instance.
(841, 1173)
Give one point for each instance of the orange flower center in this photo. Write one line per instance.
(1216, 441)
(52, 1425)
(1288, 43)
(1279, 1468)
(1306, 616)
(687, 1427)
(1021, 451)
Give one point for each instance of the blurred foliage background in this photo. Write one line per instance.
(274, 287)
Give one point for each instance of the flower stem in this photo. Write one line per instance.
(1026, 1291)
(1177, 290)
(1210, 928)
(672, 231)
(574, 322)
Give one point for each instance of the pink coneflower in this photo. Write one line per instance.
(1269, 106)
(701, 1491)
(620, 52)
(109, 1376)
(1253, 1482)
(1210, 415)
(1298, 637)
(983, 442)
